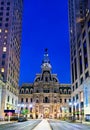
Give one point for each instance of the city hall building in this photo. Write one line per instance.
(45, 97)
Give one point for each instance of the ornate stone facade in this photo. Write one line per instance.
(46, 97)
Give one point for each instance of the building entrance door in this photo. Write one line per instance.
(46, 112)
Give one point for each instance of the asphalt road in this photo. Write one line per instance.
(27, 125)
(62, 125)
(55, 125)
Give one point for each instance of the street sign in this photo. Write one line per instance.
(7, 111)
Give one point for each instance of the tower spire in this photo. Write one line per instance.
(46, 57)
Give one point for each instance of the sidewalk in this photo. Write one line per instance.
(43, 125)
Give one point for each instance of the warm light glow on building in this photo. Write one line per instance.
(2, 70)
(4, 49)
(6, 31)
(0, 30)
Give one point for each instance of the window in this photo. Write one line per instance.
(69, 100)
(0, 19)
(7, 19)
(72, 74)
(21, 108)
(1, 8)
(16, 102)
(1, 13)
(73, 88)
(86, 74)
(88, 23)
(3, 62)
(21, 100)
(4, 49)
(73, 99)
(8, 98)
(0, 24)
(31, 100)
(3, 55)
(75, 65)
(2, 70)
(31, 109)
(37, 101)
(2, 3)
(84, 33)
(6, 31)
(65, 100)
(69, 91)
(46, 79)
(85, 55)
(89, 38)
(7, 14)
(6, 24)
(26, 99)
(55, 91)
(8, 8)
(4, 43)
(46, 100)
(76, 96)
(55, 101)
(8, 3)
(80, 61)
(5, 37)
(60, 100)
(76, 85)
(12, 100)
(81, 80)
(0, 30)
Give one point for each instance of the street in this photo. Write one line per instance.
(44, 125)
(62, 125)
(27, 125)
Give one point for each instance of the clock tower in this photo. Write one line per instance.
(46, 66)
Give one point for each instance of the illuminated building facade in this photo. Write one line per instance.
(10, 44)
(46, 97)
(79, 28)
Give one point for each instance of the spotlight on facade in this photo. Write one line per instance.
(75, 103)
(30, 105)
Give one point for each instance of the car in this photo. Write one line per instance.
(21, 119)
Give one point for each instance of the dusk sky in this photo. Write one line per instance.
(45, 25)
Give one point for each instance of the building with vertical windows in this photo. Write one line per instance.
(45, 97)
(79, 28)
(10, 44)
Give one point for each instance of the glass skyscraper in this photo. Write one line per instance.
(79, 28)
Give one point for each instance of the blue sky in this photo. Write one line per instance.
(45, 25)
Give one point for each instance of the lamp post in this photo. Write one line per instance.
(19, 108)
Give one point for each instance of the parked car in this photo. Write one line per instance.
(21, 119)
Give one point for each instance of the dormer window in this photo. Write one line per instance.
(27, 91)
(46, 79)
(22, 91)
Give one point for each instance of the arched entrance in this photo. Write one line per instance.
(46, 112)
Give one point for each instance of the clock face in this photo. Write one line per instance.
(47, 65)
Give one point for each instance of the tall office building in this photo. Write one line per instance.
(10, 44)
(79, 28)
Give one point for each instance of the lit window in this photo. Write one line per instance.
(4, 49)
(6, 31)
(5, 37)
(2, 70)
(4, 43)
(0, 30)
